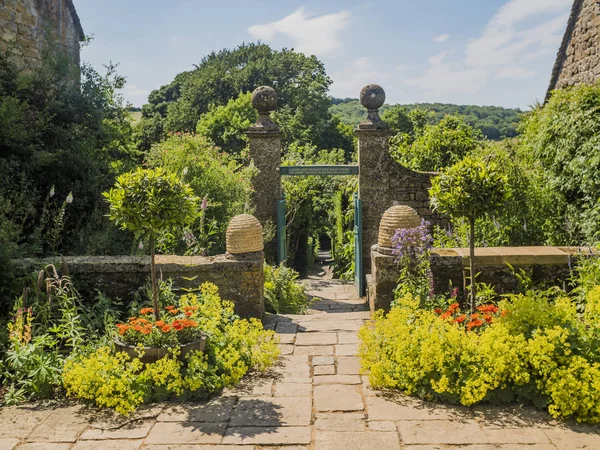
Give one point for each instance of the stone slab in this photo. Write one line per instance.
(251, 387)
(186, 433)
(574, 439)
(314, 350)
(275, 412)
(10, 443)
(348, 365)
(323, 360)
(63, 425)
(441, 432)
(341, 421)
(405, 409)
(293, 389)
(336, 379)
(112, 445)
(516, 436)
(324, 370)
(331, 398)
(134, 430)
(217, 410)
(316, 339)
(19, 421)
(347, 337)
(346, 349)
(268, 436)
(356, 440)
(286, 349)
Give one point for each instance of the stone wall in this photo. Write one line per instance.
(578, 59)
(547, 266)
(383, 182)
(240, 279)
(27, 25)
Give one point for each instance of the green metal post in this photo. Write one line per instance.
(359, 275)
(281, 231)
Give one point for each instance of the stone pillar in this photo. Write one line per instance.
(375, 163)
(264, 140)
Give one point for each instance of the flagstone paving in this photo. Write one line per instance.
(314, 399)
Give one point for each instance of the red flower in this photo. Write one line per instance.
(189, 313)
(488, 318)
(437, 310)
(473, 324)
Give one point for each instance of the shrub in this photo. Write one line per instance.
(234, 347)
(215, 177)
(151, 204)
(470, 189)
(538, 351)
(283, 293)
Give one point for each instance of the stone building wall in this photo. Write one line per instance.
(27, 25)
(578, 60)
(240, 279)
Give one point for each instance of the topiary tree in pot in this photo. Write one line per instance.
(470, 189)
(151, 203)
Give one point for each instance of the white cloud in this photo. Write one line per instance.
(311, 35)
(441, 38)
(520, 32)
(349, 81)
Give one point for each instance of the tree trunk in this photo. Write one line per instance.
(154, 282)
(472, 263)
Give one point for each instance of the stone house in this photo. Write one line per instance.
(578, 59)
(26, 26)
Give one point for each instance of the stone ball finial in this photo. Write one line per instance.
(372, 97)
(396, 217)
(264, 99)
(244, 235)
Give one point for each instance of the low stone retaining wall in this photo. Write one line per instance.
(549, 266)
(240, 278)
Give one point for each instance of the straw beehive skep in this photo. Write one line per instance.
(395, 218)
(244, 235)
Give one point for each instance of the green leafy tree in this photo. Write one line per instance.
(226, 125)
(564, 135)
(150, 203)
(300, 81)
(214, 176)
(440, 145)
(397, 117)
(470, 189)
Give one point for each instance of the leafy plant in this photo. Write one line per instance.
(234, 347)
(151, 203)
(531, 347)
(469, 189)
(283, 293)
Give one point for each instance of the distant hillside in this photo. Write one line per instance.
(494, 122)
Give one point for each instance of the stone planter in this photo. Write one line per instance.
(153, 354)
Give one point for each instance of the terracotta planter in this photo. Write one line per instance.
(153, 354)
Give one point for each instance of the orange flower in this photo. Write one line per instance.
(488, 318)
(445, 315)
(504, 312)
(453, 307)
(169, 308)
(142, 321)
(174, 311)
(473, 324)
(177, 325)
(475, 316)
(160, 323)
(146, 311)
(460, 319)
(122, 328)
(189, 313)
(437, 310)
(166, 328)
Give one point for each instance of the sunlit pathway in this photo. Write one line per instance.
(314, 399)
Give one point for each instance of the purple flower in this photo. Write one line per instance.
(412, 242)
(204, 203)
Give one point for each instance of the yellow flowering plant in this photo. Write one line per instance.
(540, 351)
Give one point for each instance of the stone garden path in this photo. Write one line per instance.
(314, 399)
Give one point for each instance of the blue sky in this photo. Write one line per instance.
(483, 52)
